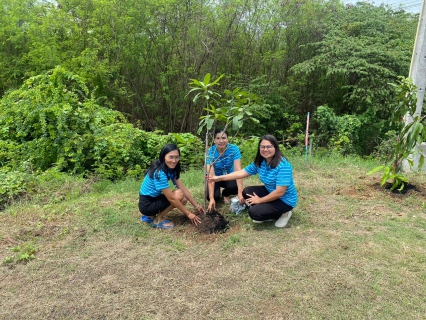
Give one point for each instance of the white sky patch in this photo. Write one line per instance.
(412, 6)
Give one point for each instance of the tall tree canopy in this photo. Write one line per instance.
(137, 56)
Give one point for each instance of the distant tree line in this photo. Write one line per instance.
(138, 56)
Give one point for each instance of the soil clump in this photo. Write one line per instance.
(408, 188)
(212, 222)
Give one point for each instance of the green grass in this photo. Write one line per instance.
(350, 251)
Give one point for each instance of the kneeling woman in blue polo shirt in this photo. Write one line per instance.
(156, 198)
(278, 196)
(225, 158)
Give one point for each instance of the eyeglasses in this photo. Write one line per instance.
(269, 147)
(174, 157)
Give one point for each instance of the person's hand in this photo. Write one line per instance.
(212, 205)
(213, 179)
(253, 199)
(241, 198)
(194, 219)
(200, 209)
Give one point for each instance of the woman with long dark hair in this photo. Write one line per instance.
(278, 196)
(156, 198)
(223, 157)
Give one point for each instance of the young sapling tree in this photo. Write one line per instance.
(231, 109)
(409, 137)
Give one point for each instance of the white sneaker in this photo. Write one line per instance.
(282, 221)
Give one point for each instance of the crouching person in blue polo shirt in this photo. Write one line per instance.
(278, 196)
(225, 158)
(156, 198)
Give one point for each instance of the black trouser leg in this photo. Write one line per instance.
(268, 210)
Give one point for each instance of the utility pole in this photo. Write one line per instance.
(418, 74)
(418, 60)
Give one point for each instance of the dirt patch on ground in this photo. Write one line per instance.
(370, 188)
(408, 189)
(212, 225)
(213, 222)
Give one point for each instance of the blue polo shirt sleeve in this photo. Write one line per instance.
(251, 169)
(162, 182)
(236, 152)
(153, 186)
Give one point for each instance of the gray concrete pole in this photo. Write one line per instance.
(418, 74)
(418, 60)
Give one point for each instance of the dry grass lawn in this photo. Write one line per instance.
(352, 250)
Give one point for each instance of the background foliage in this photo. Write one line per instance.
(52, 123)
(97, 86)
(137, 56)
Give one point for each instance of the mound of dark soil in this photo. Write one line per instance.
(212, 222)
(408, 187)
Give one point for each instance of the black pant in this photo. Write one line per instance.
(230, 188)
(268, 210)
(150, 206)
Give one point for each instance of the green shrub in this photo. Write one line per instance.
(54, 121)
(191, 148)
(14, 184)
(53, 124)
(338, 133)
(248, 147)
(384, 151)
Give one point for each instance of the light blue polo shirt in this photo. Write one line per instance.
(281, 176)
(223, 164)
(153, 187)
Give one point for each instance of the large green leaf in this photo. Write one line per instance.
(206, 80)
(376, 169)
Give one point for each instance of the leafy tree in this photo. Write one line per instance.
(137, 56)
(16, 17)
(364, 48)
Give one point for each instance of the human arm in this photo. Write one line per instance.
(210, 186)
(240, 174)
(179, 205)
(237, 167)
(274, 195)
(188, 196)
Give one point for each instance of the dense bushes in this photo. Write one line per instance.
(347, 134)
(53, 121)
(295, 55)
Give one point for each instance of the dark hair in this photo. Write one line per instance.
(278, 156)
(160, 163)
(219, 130)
